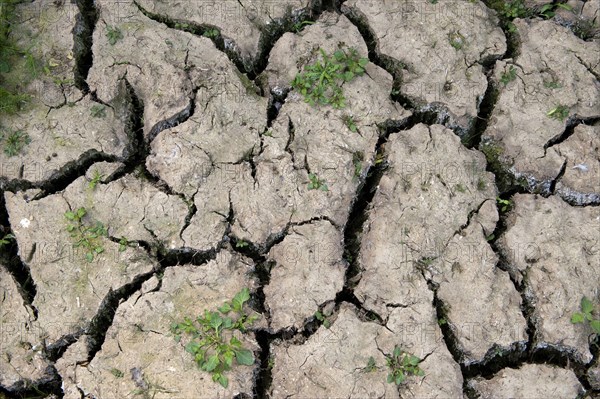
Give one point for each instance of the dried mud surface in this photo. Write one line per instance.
(449, 210)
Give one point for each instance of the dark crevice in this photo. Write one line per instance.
(276, 101)
(270, 33)
(561, 173)
(83, 33)
(176, 119)
(103, 319)
(50, 384)
(9, 257)
(486, 107)
(569, 130)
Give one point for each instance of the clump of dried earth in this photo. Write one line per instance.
(450, 209)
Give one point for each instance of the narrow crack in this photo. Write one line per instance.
(83, 33)
(46, 387)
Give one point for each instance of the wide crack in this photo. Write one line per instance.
(83, 33)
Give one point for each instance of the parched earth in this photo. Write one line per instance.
(450, 210)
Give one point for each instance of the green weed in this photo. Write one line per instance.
(211, 33)
(560, 112)
(456, 40)
(86, 235)
(213, 344)
(241, 244)
(350, 123)
(587, 316)
(504, 205)
(323, 319)
(508, 76)
(113, 34)
(14, 141)
(298, 26)
(96, 177)
(321, 83)
(402, 365)
(316, 183)
(98, 111)
(6, 239)
(371, 365)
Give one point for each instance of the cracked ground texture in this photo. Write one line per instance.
(458, 217)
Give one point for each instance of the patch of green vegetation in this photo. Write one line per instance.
(560, 112)
(86, 235)
(350, 123)
(96, 177)
(298, 26)
(316, 183)
(552, 84)
(456, 40)
(460, 188)
(371, 365)
(123, 244)
(548, 11)
(481, 184)
(508, 76)
(586, 29)
(321, 82)
(241, 244)
(211, 33)
(14, 141)
(6, 239)
(213, 344)
(323, 319)
(513, 9)
(113, 34)
(587, 316)
(504, 205)
(402, 365)
(18, 66)
(357, 160)
(116, 372)
(98, 111)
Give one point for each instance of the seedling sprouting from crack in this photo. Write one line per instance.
(508, 76)
(402, 365)
(560, 112)
(213, 344)
(123, 244)
(316, 183)
(323, 319)
(113, 34)
(6, 239)
(98, 111)
(321, 83)
(88, 236)
(241, 244)
(211, 33)
(504, 205)
(587, 316)
(96, 177)
(14, 141)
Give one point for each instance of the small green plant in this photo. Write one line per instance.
(508, 76)
(316, 183)
(586, 29)
(371, 365)
(213, 344)
(241, 244)
(321, 82)
(560, 112)
(587, 316)
(514, 9)
(113, 34)
(321, 317)
(357, 161)
(504, 205)
(88, 236)
(6, 239)
(98, 111)
(298, 26)
(481, 185)
(96, 177)
(350, 123)
(552, 84)
(211, 33)
(548, 11)
(123, 244)
(460, 188)
(402, 365)
(116, 372)
(456, 40)
(14, 141)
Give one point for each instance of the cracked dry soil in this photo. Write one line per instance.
(460, 220)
